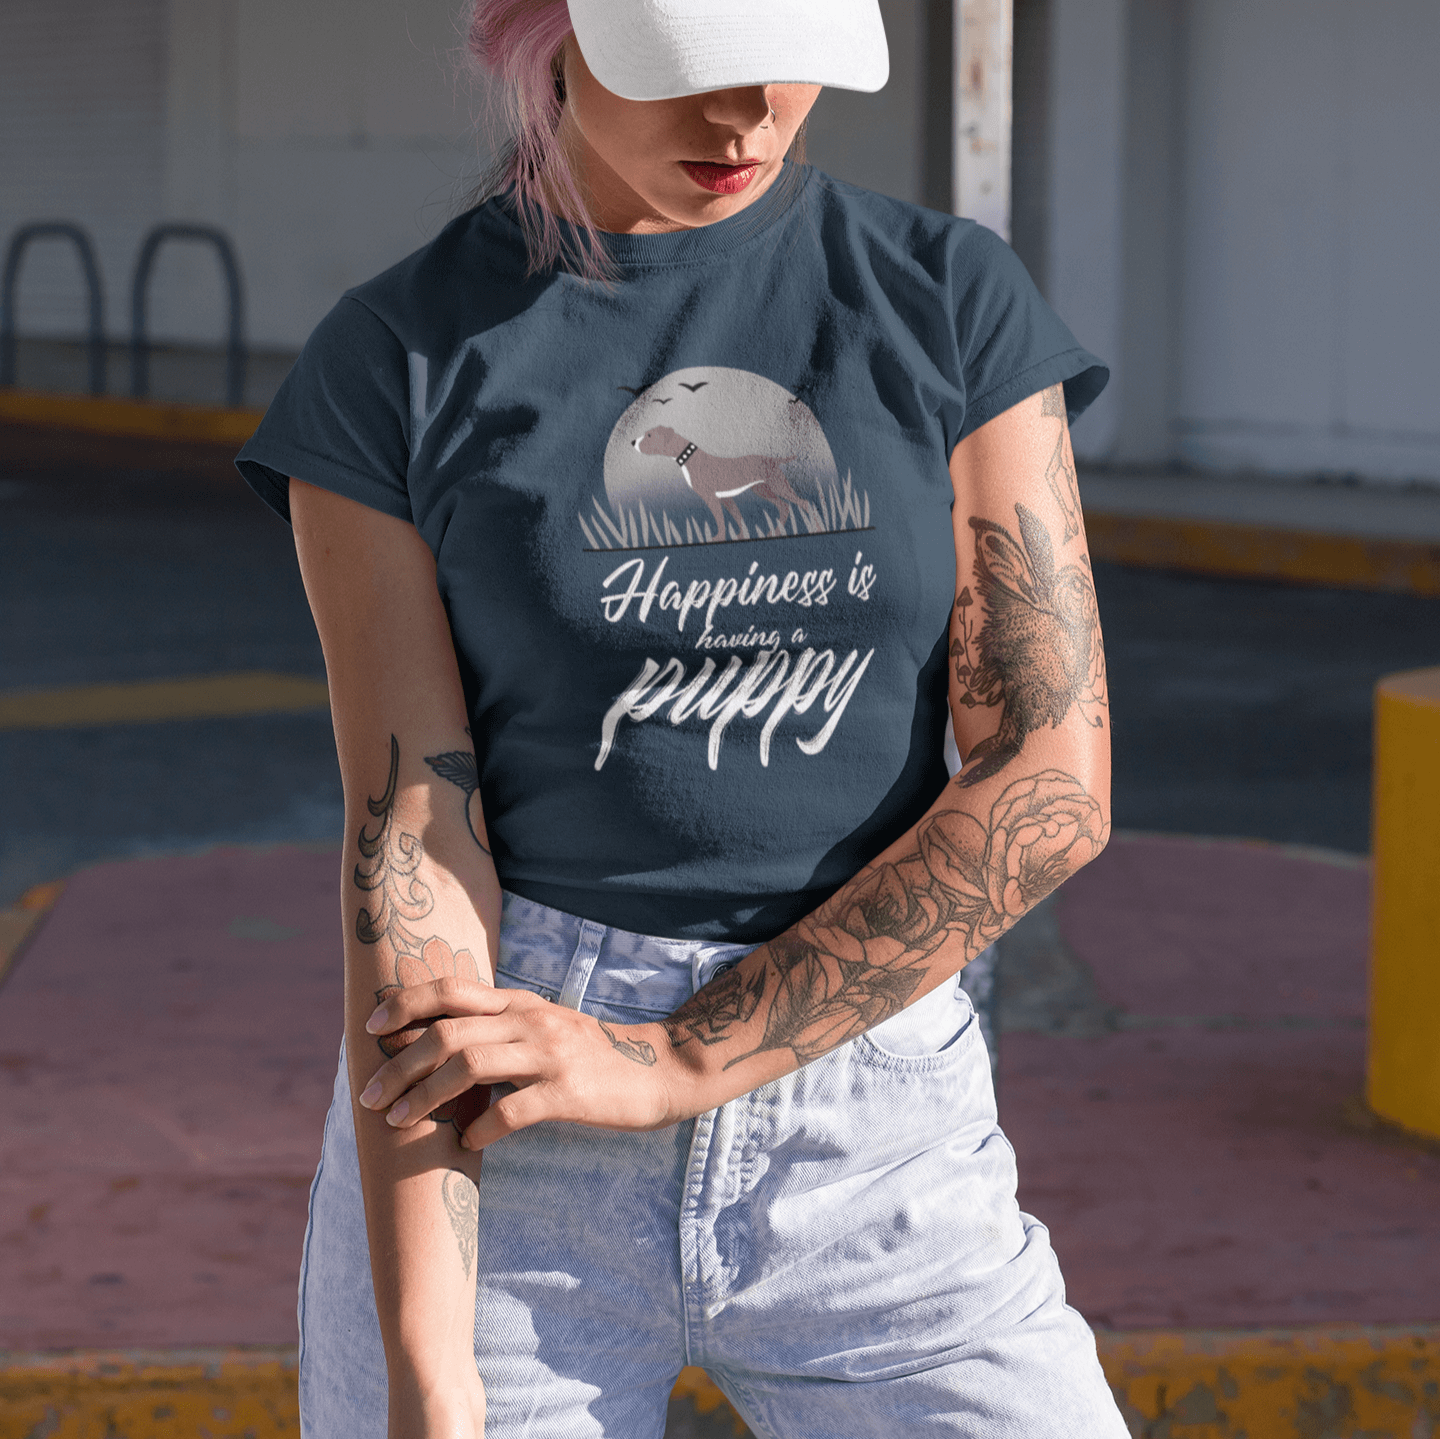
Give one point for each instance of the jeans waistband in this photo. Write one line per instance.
(573, 960)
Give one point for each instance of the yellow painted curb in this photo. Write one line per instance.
(1403, 1062)
(19, 923)
(1380, 1380)
(165, 1394)
(149, 701)
(142, 419)
(1216, 548)
(1345, 1382)
(697, 1386)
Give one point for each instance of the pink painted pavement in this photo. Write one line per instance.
(163, 1082)
(1197, 1177)
(168, 1041)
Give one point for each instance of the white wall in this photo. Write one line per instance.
(1245, 201)
(82, 124)
(1312, 209)
(1087, 118)
(329, 138)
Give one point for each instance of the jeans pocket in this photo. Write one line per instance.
(931, 1032)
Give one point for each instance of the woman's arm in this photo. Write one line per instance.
(1027, 690)
(1032, 805)
(420, 902)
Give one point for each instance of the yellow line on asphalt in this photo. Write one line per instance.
(143, 419)
(147, 701)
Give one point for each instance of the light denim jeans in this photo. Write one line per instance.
(841, 1249)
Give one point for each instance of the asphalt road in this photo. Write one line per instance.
(1239, 708)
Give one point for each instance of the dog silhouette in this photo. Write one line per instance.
(717, 480)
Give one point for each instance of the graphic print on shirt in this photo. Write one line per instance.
(712, 455)
(717, 456)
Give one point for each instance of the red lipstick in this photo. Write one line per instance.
(721, 179)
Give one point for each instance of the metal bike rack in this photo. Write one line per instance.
(139, 338)
(14, 253)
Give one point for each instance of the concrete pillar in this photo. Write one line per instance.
(1404, 1051)
(982, 38)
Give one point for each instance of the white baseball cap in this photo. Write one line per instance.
(659, 49)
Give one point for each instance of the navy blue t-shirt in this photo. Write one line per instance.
(692, 531)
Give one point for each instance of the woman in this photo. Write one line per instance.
(651, 517)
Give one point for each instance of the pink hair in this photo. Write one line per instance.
(520, 42)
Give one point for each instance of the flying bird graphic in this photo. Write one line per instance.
(699, 385)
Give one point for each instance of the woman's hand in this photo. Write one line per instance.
(438, 1409)
(566, 1065)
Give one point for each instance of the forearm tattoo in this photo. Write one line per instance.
(1060, 472)
(713, 1013)
(460, 767)
(860, 957)
(637, 1050)
(1036, 652)
(1032, 648)
(399, 903)
(462, 1207)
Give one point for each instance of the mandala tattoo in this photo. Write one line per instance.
(1038, 652)
(399, 902)
(859, 959)
(462, 1206)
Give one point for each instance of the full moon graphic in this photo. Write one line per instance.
(711, 444)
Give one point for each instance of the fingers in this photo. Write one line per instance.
(515, 1111)
(451, 994)
(436, 1094)
(447, 1059)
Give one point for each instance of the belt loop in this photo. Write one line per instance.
(582, 964)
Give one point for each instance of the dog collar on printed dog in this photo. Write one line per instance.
(685, 454)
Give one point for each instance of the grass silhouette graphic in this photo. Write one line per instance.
(634, 527)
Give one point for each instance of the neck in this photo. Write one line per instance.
(614, 207)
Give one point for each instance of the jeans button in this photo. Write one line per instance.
(724, 968)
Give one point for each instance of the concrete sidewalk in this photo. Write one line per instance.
(1369, 536)
(1372, 509)
(1181, 1068)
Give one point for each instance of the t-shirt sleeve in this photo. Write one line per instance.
(341, 418)
(1011, 343)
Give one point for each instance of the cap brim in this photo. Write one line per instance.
(662, 49)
